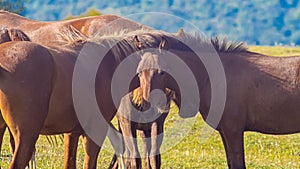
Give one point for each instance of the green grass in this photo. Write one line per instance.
(192, 150)
(276, 51)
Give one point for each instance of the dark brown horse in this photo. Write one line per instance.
(140, 111)
(36, 90)
(263, 92)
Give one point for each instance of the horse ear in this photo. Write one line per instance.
(4, 36)
(163, 44)
(180, 32)
(137, 44)
(17, 35)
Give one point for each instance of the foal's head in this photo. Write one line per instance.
(151, 69)
(153, 78)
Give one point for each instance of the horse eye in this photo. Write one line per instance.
(161, 72)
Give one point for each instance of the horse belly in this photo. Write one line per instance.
(62, 117)
(278, 119)
(61, 120)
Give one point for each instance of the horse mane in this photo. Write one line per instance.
(71, 36)
(122, 41)
(119, 42)
(220, 43)
(136, 96)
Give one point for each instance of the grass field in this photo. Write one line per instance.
(191, 150)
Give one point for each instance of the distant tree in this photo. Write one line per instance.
(15, 6)
(89, 12)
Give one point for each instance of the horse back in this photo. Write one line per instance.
(264, 93)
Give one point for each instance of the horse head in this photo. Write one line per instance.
(152, 74)
(159, 68)
(151, 69)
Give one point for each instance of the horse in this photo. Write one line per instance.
(45, 33)
(263, 92)
(149, 119)
(33, 79)
(7, 35)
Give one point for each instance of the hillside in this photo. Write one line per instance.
(257, 22)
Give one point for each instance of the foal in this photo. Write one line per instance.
(148, 118)
(140, 111)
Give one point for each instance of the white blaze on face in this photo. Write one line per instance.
(145, 81)
(149, 63)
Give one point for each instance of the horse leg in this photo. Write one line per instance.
(233, 141)
(11, 142)
(129, 133)
(114, 164)
(2, 131)
(71, 144)
(226, 148)
(91, 153)
(32, 163)
(25, 145)
(156, 141)
(146, 136)
(25, 123)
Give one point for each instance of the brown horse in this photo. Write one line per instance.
(45, 33)
(15, 77)
(33, 79)
(7, 35)
(263, 92)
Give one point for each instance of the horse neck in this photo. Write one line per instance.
(202, 78)
(229, 61)
(104, 80)
(200, 75)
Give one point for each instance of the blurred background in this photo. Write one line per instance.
(257, 22)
